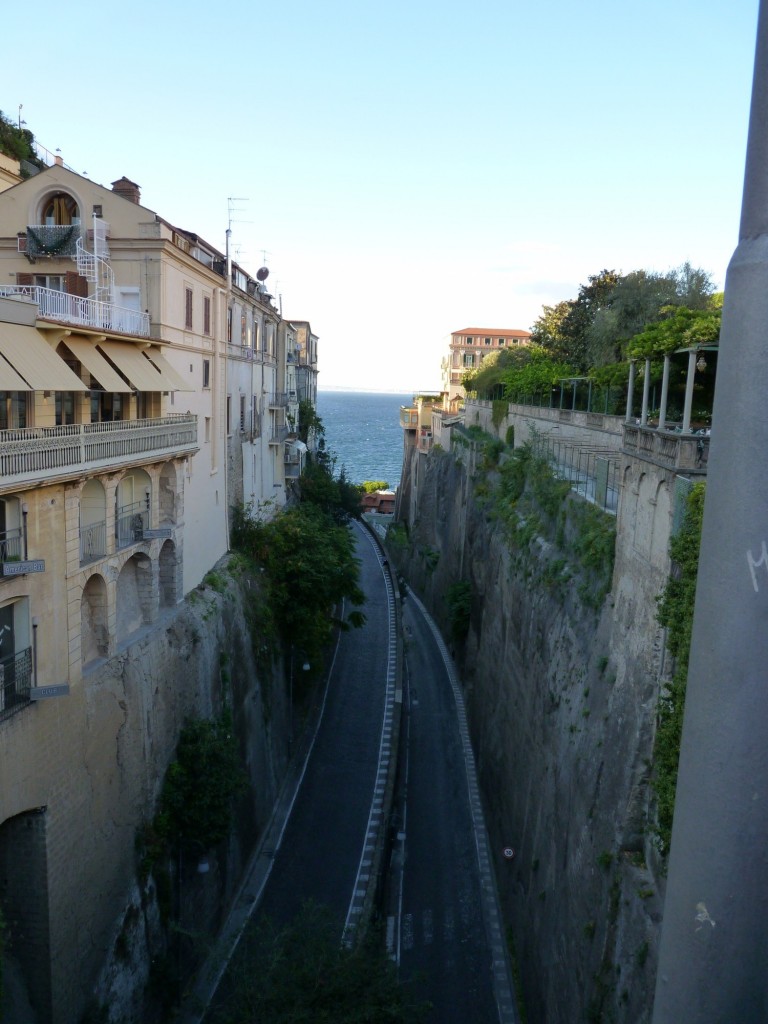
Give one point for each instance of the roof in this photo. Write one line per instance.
(498, 332)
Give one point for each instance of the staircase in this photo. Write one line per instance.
(94, 266)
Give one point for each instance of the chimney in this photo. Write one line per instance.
(58, 160)
(127, 189)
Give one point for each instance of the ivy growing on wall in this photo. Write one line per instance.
(676, 614)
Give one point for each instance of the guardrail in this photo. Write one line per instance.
(75, 309)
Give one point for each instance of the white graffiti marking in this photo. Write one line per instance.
(753, 565)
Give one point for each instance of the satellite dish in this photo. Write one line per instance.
(262, 274)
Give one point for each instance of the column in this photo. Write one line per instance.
(646, 389)
(630, 390)
(689, 379)
(664, 393)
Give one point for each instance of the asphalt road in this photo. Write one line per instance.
(439, 938)
(321, 852)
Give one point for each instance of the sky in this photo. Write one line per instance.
(406, 170)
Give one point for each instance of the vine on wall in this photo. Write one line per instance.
(676, 614)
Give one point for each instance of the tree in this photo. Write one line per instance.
(535, 377)
(310, 567)
(303, 973)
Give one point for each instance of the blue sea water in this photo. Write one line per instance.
(362, 429)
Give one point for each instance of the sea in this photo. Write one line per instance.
(363, 432)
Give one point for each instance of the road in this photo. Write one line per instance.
(323, 850)
(443, 924)
(445, 929)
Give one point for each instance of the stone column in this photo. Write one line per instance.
(646, 390)
(689, 379)
(664, 394)
(630, 389)
(712, 958)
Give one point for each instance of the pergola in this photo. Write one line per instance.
(696, 361)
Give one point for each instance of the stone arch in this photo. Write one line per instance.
(93, 521)
(167, 492)
(94, 631)
(24, 901)
(169, 566)
(58, 208)
(136, 596)
(662, 526)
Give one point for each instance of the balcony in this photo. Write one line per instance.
(93, 542)
(130, 523)
(11, 546)
(687, 453)
(15, 681)
(278, 400)
(278, 435)
(409, 417)
(74, 309)
(50, 240)
(37, 454)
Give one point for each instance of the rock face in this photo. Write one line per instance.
(561, 697)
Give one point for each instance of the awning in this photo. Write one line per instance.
(96, 364)
(9, 379)
(35, 360)
(175, 381)
(132, 364)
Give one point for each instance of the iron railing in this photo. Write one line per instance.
(93, 542)
(592, 472)
(15, 681)
(11, 545)
(130, 523)
(75, 309)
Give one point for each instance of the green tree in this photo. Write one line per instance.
(536, 376)
(201, 782)
(18, 143)
(301, 973)
(310, 567)
(370, 486)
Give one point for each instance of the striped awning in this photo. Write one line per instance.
(35, 361)
(97, 365)
(176, 381)
(132, 364)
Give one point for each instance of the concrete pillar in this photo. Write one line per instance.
(646, 390)
(689, 379)
(630, 389)
(664, 394)
(714, 943)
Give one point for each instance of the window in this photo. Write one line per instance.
(13, 409)
(501, 341)
(243, 330)
(65, 407)
(242, 413)
(15, 655)
(206, 315)
(60, 209)
(207, 429)
(229, 413)
(206, 373)
(229, 326)
(469, 359)
(188, 308)
(53, 281)
(487, 341)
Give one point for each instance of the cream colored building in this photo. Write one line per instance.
(469, 347)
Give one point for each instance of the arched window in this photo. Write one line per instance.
(60, 209)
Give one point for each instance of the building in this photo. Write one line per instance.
(469, 347)
(144, 389)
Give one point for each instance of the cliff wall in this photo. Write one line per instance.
(99, 927)
(561, 687)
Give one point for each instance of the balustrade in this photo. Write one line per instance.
(35, 453)
(76, 309)
(15, 681)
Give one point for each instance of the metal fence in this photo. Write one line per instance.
(593, 472)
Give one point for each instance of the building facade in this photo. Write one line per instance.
(469, 347)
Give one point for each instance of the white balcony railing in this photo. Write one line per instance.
(40, 453)
(74, 309)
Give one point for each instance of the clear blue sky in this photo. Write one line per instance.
(410, 168)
